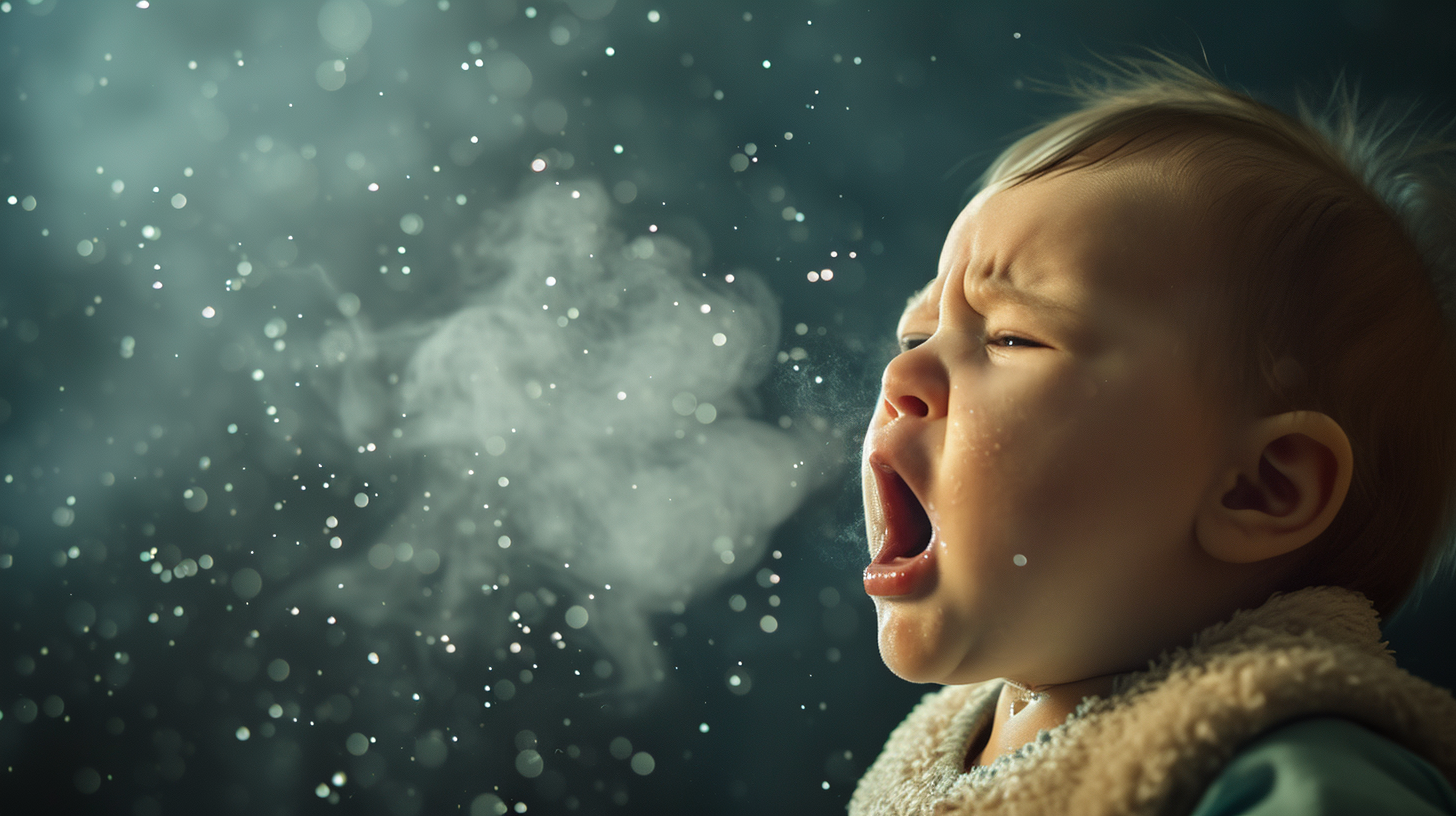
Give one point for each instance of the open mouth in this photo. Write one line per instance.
(907, 526)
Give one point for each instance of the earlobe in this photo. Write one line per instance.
(1290, 477)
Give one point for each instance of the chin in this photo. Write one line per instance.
(916, 648)
(913, 655)
(906, 670)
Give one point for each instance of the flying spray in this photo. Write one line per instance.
(583, 424)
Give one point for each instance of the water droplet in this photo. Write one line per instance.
(529, 764)
(488, 804)
(357, 744)
(620, 748)
(194, 499)
(576, 617)
(643, 763)
(247, 583)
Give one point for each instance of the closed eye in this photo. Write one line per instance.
(911, 341)
(1013, 341)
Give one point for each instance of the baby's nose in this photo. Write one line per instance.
(914, 385)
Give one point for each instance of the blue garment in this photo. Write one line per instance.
(1328, 766)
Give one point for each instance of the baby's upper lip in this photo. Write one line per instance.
(906, 524)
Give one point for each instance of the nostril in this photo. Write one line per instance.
(907, 404)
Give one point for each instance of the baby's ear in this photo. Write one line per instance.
(1289, 478)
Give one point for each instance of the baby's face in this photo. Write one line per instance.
(1043, 440)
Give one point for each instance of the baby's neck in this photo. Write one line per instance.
(1021, 716)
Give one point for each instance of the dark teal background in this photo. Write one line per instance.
(881, 156)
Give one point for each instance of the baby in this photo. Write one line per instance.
(1174, 423)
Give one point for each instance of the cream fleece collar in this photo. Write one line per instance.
(1156, 743)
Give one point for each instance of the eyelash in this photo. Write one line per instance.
(1013, 341)
(1004, 341)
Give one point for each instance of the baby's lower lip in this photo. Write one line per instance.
(906, 575)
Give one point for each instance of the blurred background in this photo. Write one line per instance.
(426, 406)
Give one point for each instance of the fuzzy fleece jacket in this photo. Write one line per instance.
(1154, 745)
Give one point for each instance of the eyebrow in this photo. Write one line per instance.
(1002, 287)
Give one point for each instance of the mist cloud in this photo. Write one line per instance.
(584, 423)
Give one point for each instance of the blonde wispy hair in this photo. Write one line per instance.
(1340, 223)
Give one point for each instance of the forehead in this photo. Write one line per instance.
(1127, 230)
